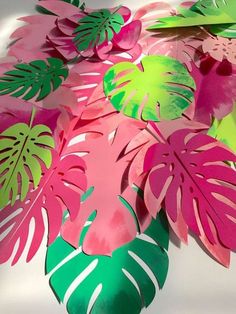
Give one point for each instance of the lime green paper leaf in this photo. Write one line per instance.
(96, 28)
(22, 148)
(117, 284)
(137, 92)
(225, 130)
(38, 78)
(204, 12)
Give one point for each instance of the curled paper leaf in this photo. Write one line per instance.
(188, 174)
(36, 79)
(116, 292)
(138, 93)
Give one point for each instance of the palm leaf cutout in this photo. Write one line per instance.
(36, 79)
(22, 149)
(123, 283)
(204, 12)
(76, 3)
(224, 130)
(137, 92)
(96, 28)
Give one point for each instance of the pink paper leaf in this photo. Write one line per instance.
(59, 189)
(107, 166)
(183, 44)
(187, 174)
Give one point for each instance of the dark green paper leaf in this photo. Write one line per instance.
(38, 78)
(96, 28)
(162, 81)
(123, 281)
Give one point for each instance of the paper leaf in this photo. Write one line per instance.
(184, 45)
(115, 224)
(76, 3)
(188, 175)
(220, 48)
(127, 264)
(203, 12)
(138, 93)
(59, 190)
(37, 78)
(22, 150)
(96, 28)
(224, 30)
(218, 101)
(224, 130)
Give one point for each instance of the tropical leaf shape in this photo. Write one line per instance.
(59, 190)
(126, 287)
(96, 28)
(36, 79)
(184, 45)
(204, 12)
(76, 3)
(105, 141)
(137, 92)
(22, 149)
(224, 30)
(224, 130)
(187, 172)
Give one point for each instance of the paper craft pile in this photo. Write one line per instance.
(116, 126)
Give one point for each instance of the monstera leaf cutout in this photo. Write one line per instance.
(137, 92)
(96, 28)
(22, 149)
(117, 284)
(204, 12)
(59, 190)
(187, 172)
(76, 3)
(38, 78)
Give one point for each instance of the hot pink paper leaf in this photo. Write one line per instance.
(183, 44)
(59, 190)
(216, 89)
(107, 167)
(187, 174)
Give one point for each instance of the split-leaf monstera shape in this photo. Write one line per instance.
(23, 149)
(161, 81)
(36, 79)
(107, 164)
(117, 284)
(219, 14)
(187, 172)
(96, 28)
(59, 190)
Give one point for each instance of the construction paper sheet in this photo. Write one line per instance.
(117, 125)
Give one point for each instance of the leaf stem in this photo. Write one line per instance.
(32, 116)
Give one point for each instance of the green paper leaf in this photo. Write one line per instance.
(123, 282)
(96, 28)
(224, 30)
(163, 81)
(204, 12)
(225, 130)
(38, 78)
(22, 148)
(76, 3)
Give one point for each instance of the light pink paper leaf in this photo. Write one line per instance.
(107, 172)
(59, 190)
(220, 48)
(183, 44)
(187, 174)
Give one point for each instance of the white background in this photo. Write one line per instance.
(195, 285)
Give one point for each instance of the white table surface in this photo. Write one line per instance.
(195, 284)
